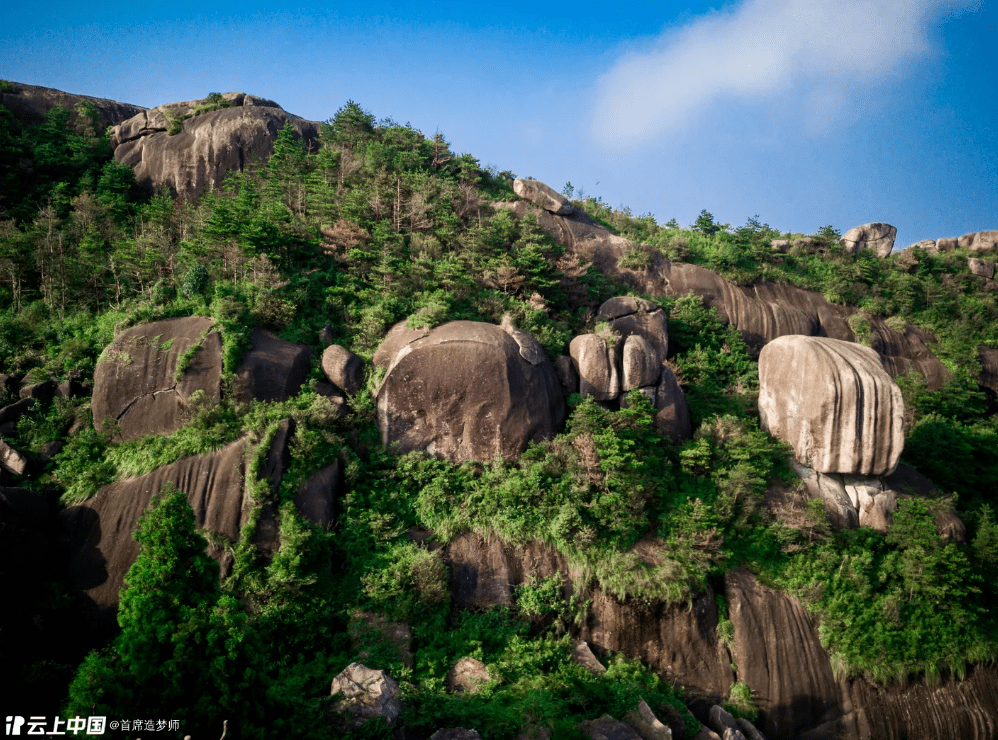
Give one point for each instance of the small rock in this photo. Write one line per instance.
(71, 388)
(732, 734)
(467, 676)
(947, 244)
(366, 694)
(50, 449)
(966, 240)
(11, 460)
(13, 412)
(707, 734)
(583, 655)
(646, 724)
(780, 245)
(42, 391)
(719, 720)
(344, 369)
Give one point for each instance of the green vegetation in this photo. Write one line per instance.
(380, 225)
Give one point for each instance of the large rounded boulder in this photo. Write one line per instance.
(833, 403)
(146, 376)
(208, 145)
(469, 391)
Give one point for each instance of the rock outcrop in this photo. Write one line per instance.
(833, 403)
(875, 236)
(631, 355)
(99, 531)
(433, 397)
(366, 693)
(139, 382)
(776, 650)
(209, 146)
(543, 196)
(274, 369)
(761, 312)
(467, 676)
(344, 369)
(30, 103)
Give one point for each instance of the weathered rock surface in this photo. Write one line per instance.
(433, 397)
(874, 236)
(100, 530)
(274, 369)
(833, 403)
(31, 102)
(637, 317)
(607, 728)
(644, 722)
(467, 676)
(584, 656)
(11, 460)
(982, 268)
(983, 241)
(761, 312)
(43, 391)
(777, 652)
(209, 146)
(397, 338)
(567, 376)
(947, 244)
(316, 501)
(14, 411)
(595, 363)
(988, 357)
(344, 369)
(135, 380)
(673, 417)
(366, 694)
(543, 196)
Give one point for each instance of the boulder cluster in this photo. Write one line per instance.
(760, 312)
(630, 354)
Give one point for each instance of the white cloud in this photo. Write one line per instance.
(761, 50)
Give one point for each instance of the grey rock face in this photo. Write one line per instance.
(435, 396)
(543, 196)
(833, 403)
(596, 366)
(982, 268)
(100, 530)
(209, 146)
(984, 241)
(874, 236)
(274, 369)
(583, 655)
(135, 382)
(640, 363)
(31, 102)
(567, 376)
(344, 369)
(366, 694)
(629, 316)
(316, 501)
(780, 245)
(673, 417)
(11, 460)
(947, 244)
(644, 722)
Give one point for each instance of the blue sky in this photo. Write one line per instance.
(804, 112)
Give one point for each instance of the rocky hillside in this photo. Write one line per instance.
(323, 430)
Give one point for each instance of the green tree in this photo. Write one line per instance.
(185, 648)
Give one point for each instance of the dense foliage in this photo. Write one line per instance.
(382, 224)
